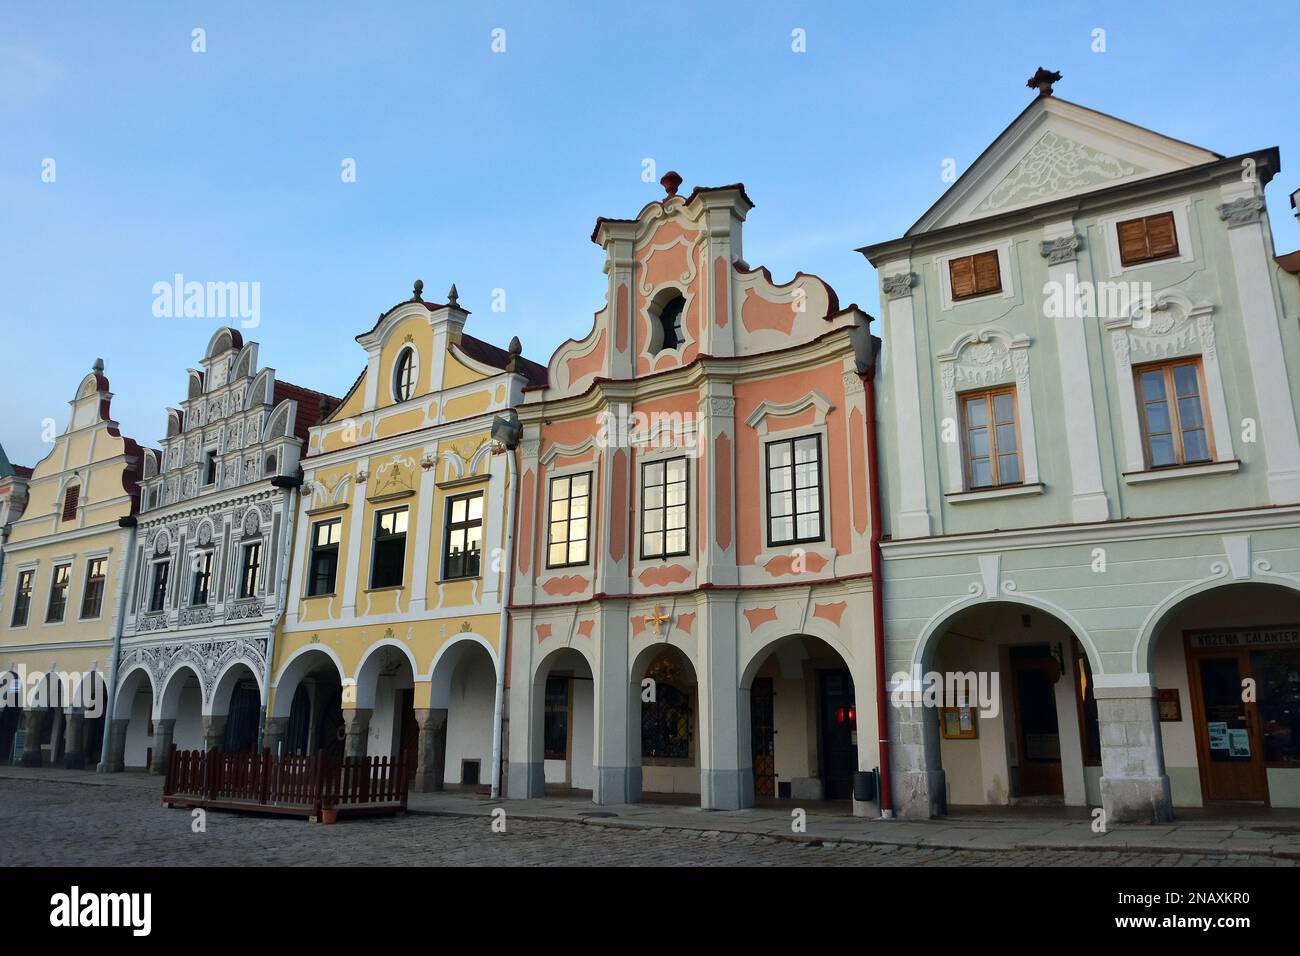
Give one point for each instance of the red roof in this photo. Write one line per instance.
(309, 406)
(488, 354)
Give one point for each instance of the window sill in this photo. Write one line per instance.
(328, 509)
(1000, 491)
(330, 594)
(1183, 471)
(465, 577)
(388, 587)
(394, 496)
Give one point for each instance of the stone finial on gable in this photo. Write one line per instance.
(1042, 81)
(516, 350)
(417, 293)
(453, 297)
(671, 182)
(98, 367)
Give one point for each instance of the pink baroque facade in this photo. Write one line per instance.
(691, 610)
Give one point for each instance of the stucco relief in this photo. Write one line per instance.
(1053, 166)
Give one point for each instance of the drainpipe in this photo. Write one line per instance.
(877, 594)
(498, 713)
(128, 572)
(282, 594)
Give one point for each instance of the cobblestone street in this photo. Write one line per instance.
(56, 823)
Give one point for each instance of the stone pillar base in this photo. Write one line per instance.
(1137, 799)
(616, 785)
(162, 744)
(115, 759)
(274, 733)
(920, 794)
(431, 750)
(32, 753)
(526, 781)
(357, 724)
(727, 789)
(214, 732)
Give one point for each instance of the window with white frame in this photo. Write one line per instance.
(664, 508)
(794, 491)
(569, 521)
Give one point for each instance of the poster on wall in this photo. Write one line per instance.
(1218, 734)
(1238, 742)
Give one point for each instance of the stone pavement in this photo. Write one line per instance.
(57, 817)
(1266, 835)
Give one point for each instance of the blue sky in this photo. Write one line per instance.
(488, 169)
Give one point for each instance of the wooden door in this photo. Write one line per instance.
(1227, 731)
(839, 756)
(762, 736)
(1038, 734)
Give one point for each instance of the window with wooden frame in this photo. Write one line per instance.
(58, 594)
(1147, 239)
(202, 578)
(92, 597)
(991, 438)
(158, 588)
(664, 508)
(324, 557)
(971, 276)
(570, 515)
(1175, 428)
(23, 598)
(71, 496)
(463, 550)
(388, 560)
(250, 570)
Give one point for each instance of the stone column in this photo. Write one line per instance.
(273, 734)
(357, 724)
(432, 749)
(116, 759)
(920, 788)
(162, 744)
(617, 781)
(1134, 786)
(74, 735)
(214, 732)
(726, 760)
(32, 748)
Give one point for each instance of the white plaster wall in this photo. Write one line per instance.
(670, 779)
(795, 729)
(1178, 737)
(382, 735)
(470, 708)
(1283, 787)
(581, 756)
(187, 732)
(138, 737)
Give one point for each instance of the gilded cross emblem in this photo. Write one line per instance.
(658, 619)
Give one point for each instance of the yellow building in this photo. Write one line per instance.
(393, 636)
(64, 585)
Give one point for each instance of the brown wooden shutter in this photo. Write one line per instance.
(961, 272)
(1162, 240)
(1132, 241)
(70, 498)
(988, 277)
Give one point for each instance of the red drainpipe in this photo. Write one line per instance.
(877, 596)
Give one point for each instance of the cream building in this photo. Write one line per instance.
(63, 587)
(394, 637)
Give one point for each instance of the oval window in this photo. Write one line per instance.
(404, 375)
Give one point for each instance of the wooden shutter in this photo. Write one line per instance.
(1148, 238)
(961, 272)
(70, 498)
(988, 277)
(1161, 239)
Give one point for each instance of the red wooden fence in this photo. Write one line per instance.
(306, 785)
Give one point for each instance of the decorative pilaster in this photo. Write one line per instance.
(1134, 786)
(357, 725)
(74, 733)
(32, 755)
(115, 762)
